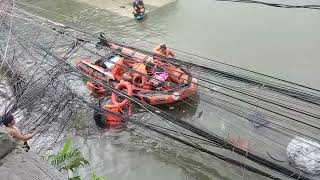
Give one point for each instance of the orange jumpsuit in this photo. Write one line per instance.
(167, 52)
(113, 119)
(119, 68)
(141, 68)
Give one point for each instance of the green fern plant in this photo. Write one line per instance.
(69, 159)
(94, 177)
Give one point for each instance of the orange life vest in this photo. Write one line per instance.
(141, 68)
(111, 118)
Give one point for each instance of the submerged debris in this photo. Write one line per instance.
(304, 155)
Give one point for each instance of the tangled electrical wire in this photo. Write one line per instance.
(311, 6)
(38, 60)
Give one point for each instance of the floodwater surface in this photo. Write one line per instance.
(276, 41)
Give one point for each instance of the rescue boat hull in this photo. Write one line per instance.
(186, 85)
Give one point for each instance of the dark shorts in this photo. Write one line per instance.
(26, 146)
(138, 14)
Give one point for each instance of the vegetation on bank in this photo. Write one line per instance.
(69, 159)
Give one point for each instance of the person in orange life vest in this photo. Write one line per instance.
(140, 75)
(141, 68)
(113, 119)
(159, 76)
(119, 69)
(162, 49)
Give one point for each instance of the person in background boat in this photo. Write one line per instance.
(9, 122)
(162, 49)
(138, 8)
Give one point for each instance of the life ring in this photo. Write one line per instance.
(112, 118)
(137, 80)
(115, 114)
(121, 86)
(127, 77)
(141, 82)
(96, 90)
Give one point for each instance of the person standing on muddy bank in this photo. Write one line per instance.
(9, 122)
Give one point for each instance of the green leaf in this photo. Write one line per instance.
(75, 178)
(67, 146)
(94, 177)
(68, 158)
(73, 165)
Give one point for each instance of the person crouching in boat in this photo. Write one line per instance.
(159, 77)
(162, 50)
(120, 70)
(138, 8)
(9, 122)
(140, 76)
